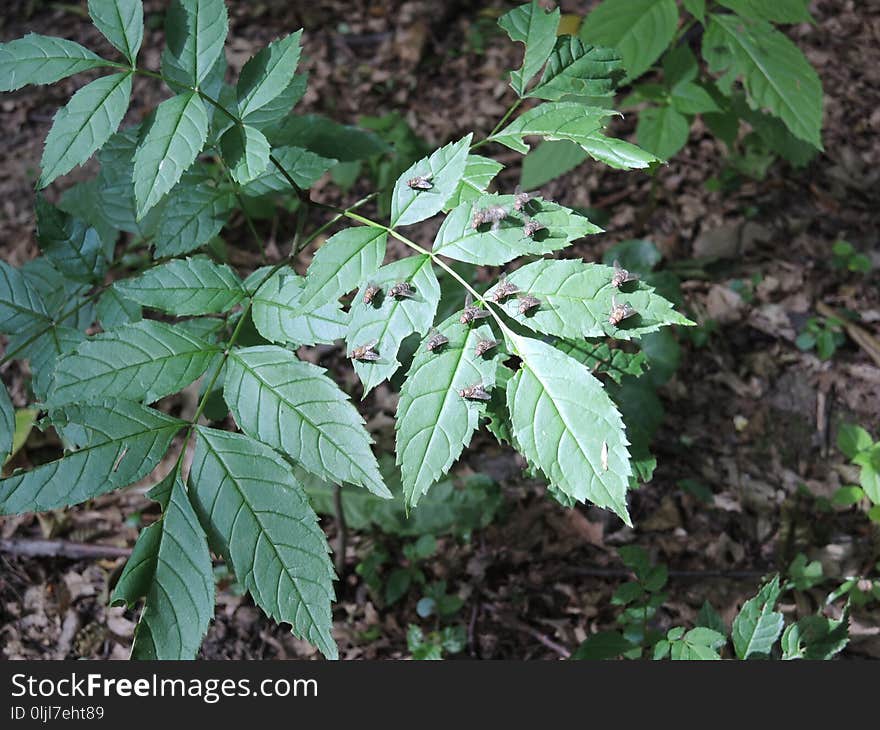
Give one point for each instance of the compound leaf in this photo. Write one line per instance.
(124, 442)
(121, 22)
(345, 261)
(145, 361)
(278, 316)
(639, 29)
(536, 28)
(578, 68)
(389, 320)
(185, 287)
(443, 170)
(91, 116)
(458, 239)
(170, 567)
(434, 423)
(567, 426)
(171, 144)
(267, 74)
(775, 73)
(294, 407)
(258, 515)
(757, 626)
(195, 31)
(40, 59)
(577, 299)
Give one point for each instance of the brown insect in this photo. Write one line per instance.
(503, 290)
(483, 346)
(475, 392)
(621, 276)
(472, 313)
(365, 352)
(521, 198)
(528, 303)
(620, 312)
(370, 293)
(531, 227)
(420, 182)
(494, 214)
(436, 341)
(402, 289)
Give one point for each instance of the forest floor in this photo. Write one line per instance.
(748, 440)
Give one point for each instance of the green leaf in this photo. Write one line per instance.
(389, 320)
(639, 29)
(548, 161)
(576, 300)
(294, 407)
(711, 619)
(170, 567)
(245, 151)
(698, 644)
(63, 298)
(603, 645)
(303, 166)
(114, 310)
(572, 121)
(170, 145)
(40, 59)
(145, 361)
(662, 130)
(443, 169)
(816, 637)
(73, 247)
(851, 439)
(125, 442)
(780, 11)
(191, 217)
(269, 117)
(600, 358)
(697, 8)
(43, 352)
(478, 173)
(458, 239)
(121, 22)
(184, 287)
(21, 306)
(869, 477)
(7, 425)
(257, 514)
(536, 28)
(278, 316)
(577, 68)
(344, 262)
(84, 125)
(564, 421)
(691, 98)
(774, 134)
(775, 73)
(267, 74)
(757, 626)
(195, 31)
(327, 138)
(434, 423)
(556, 120)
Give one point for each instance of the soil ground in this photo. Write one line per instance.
(748, 415)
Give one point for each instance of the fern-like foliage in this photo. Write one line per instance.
(109, 336)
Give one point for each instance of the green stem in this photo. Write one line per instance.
(498, 127)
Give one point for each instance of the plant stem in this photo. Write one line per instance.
(513, 107)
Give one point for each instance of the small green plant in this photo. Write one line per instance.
(822, 334)
(862, 451)
(758, 630)
(435, 644)
(133, 301)
(846, 257)
(778, 102)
